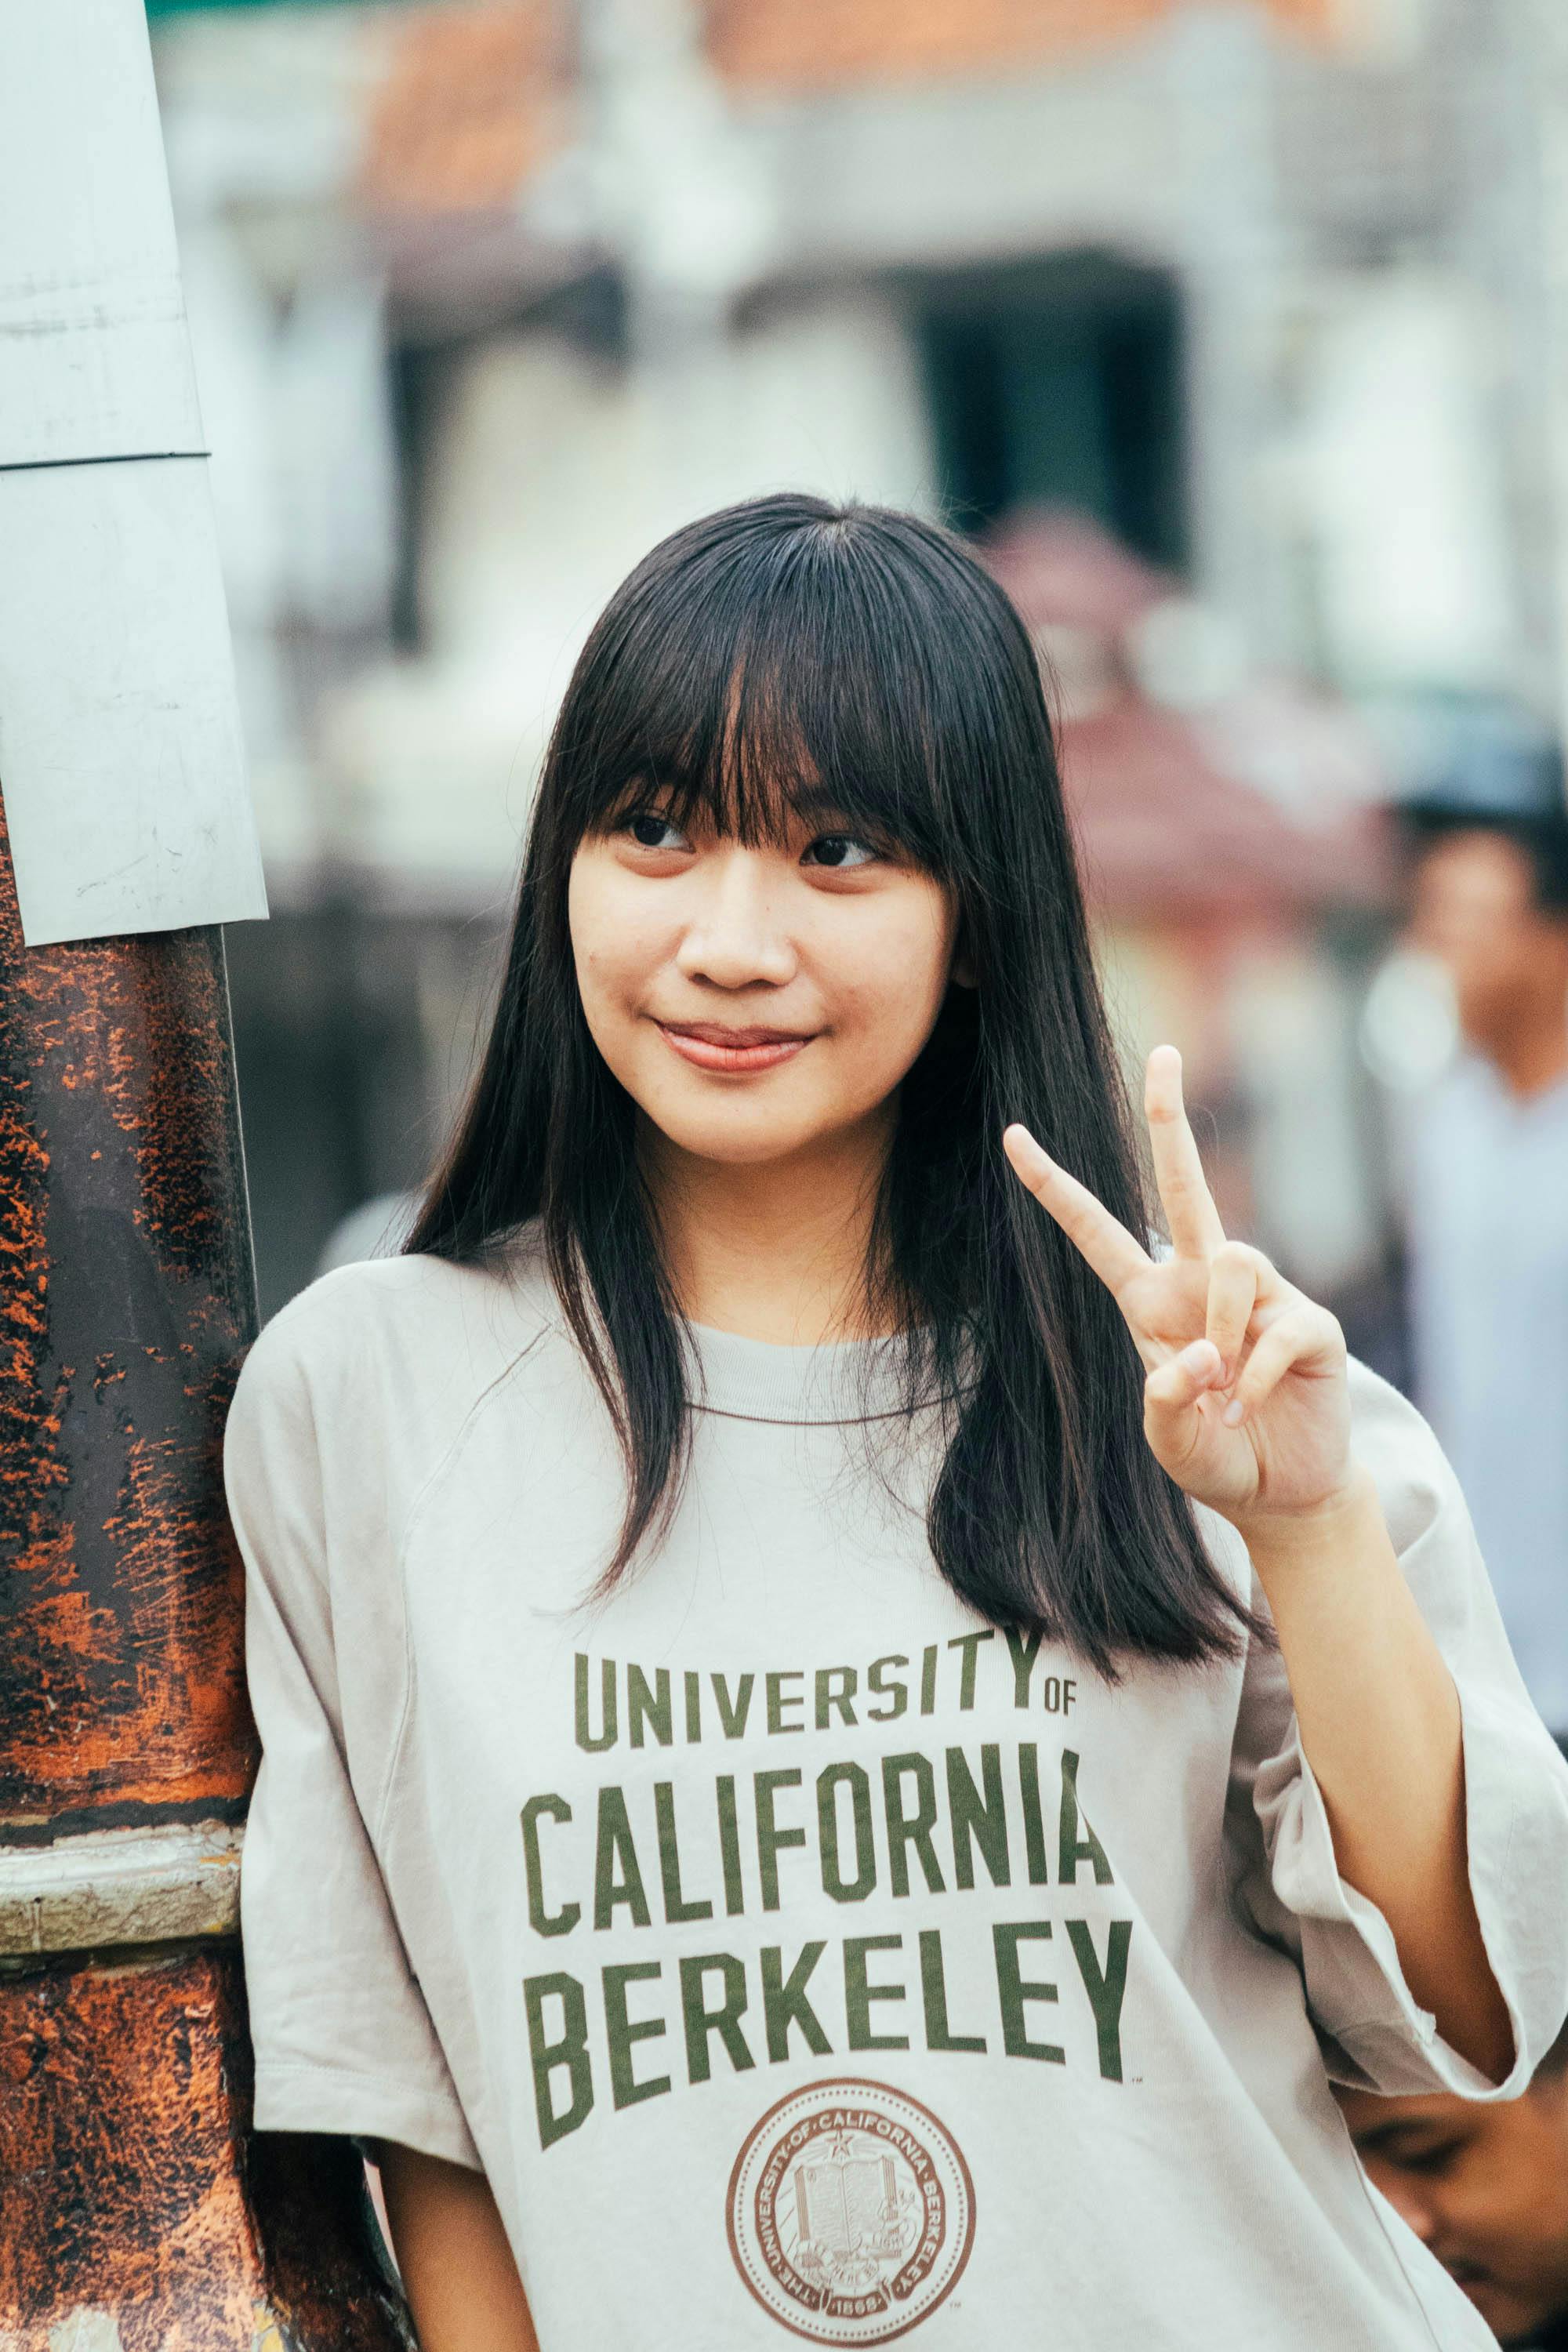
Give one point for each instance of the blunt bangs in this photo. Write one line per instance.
(785, 678)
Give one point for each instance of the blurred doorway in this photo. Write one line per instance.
(1059, 383)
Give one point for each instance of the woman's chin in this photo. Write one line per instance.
(730, 1143)
(736, 1128)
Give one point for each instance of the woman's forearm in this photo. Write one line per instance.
(1380, 1725)
(451, 2247)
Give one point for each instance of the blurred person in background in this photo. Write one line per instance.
(1486, 2189)
(1488, 1204)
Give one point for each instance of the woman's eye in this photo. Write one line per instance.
(647, 829)
(840, 850)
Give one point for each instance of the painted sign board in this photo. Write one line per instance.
(120, 760)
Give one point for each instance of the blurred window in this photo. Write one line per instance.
(1059, 384)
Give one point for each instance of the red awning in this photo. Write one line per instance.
(1262, 800)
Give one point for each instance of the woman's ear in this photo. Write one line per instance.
(961, 971)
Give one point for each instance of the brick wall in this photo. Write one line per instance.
(817, 44)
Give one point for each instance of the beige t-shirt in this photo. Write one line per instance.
(797, 1954)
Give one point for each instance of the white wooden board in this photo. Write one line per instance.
(120, 763)
(94, 357)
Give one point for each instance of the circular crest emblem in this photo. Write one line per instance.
(851, 2212)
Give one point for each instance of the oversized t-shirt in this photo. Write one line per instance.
(797, 1954)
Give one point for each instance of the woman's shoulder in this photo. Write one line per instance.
(417, 1318)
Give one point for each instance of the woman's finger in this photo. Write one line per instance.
(1305, 1336)
(1088, 1224)
(1170, 1395)
(1234, 1272)
(1190, 1211)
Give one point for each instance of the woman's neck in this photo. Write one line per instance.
(775, 1251)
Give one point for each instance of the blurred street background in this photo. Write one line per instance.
(1234, 334)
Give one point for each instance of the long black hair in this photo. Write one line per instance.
(786, 645)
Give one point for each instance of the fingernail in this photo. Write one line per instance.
(1233, 1412)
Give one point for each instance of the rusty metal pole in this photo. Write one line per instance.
(137, 2214)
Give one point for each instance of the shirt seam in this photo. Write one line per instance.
(382, 2085)
(800, 1421)
(400, 1580)
(826, 1420)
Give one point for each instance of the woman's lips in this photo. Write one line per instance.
(714, 1049)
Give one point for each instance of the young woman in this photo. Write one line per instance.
(850, 1741)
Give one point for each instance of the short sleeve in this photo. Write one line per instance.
(1287, 1881)
(343, 2040)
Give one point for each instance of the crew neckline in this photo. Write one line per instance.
(760, 1380)
(834, 1381)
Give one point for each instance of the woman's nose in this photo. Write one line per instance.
(736, 935)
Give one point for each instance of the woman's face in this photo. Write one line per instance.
(755, 1003)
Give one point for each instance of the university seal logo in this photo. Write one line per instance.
(851, 2212)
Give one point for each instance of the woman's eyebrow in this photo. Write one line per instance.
(644, 790)
(819, 801)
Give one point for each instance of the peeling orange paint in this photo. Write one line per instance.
(124, 2095)
(138, 2212)
(125, 1303)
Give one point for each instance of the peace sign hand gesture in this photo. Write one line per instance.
(1246, 1402)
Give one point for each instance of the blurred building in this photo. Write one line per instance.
(1233, 332)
